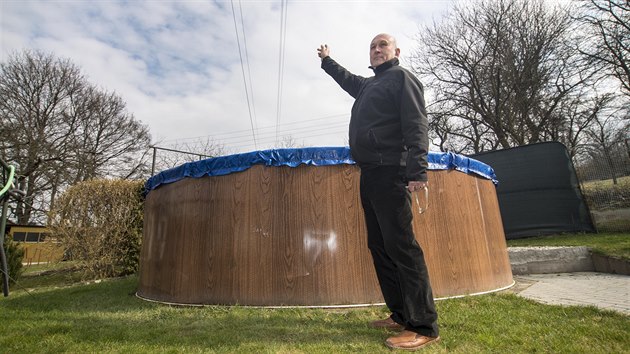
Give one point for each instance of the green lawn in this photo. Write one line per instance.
(608, 183)
(60, 314)
(606, 197)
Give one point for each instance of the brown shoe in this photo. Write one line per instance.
(386, 323)
(408, 340)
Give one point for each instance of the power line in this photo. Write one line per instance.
(239, 147)
(263, 142)
(251, 119)
(283, 33)
(270, 136)
(246, 131)
(240, 139)
(249, 72)
(305, 130)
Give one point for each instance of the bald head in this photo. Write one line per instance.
(385, 36)
(383, 48)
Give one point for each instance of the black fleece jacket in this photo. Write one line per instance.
(388, 125)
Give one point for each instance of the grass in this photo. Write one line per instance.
(607, 183)
(604, 195)
(107, 317)
(51, 274)
(59, 314)
(610, 244)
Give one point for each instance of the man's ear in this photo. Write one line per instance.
(397, 52)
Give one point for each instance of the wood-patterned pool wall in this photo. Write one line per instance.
(283, 236)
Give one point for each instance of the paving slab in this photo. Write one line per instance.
(603, 290)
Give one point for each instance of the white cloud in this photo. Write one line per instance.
(176, 63)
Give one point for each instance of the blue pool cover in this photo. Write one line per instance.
(315, 156)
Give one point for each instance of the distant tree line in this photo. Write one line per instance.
(506, 73)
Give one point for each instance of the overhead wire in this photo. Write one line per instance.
(289, 128)
(283, 34)
(294, 140)
(238, 41)
(269, 137)
(260, 135)
(246, 144)
(249, 72)
(266, 136)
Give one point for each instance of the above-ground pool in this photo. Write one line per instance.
(285, 228)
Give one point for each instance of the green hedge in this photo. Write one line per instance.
(15, 256)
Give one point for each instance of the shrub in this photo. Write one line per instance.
(15, 256)
(99, 222)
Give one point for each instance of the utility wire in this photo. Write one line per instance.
(241, 138)
(245, 132)
(283, 35)
(290, 128)
(305, 131)
(248, 145)
(270, 136)
(249, 72)
(238, 41)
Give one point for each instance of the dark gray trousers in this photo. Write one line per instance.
(398, 259)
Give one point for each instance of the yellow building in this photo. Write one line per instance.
(38, 246)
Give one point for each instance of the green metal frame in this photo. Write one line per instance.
(5, 193)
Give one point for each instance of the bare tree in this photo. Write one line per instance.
(58, 129)
(606, 135)
(606, 38)
(108, 137)
(287, 142)
(501, 71)
(35, 91)
(578, 114)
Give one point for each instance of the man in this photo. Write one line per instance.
(389, 141)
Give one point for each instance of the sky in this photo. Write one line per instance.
(237, 74)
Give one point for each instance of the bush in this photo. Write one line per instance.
(99, 222)
(15, 256)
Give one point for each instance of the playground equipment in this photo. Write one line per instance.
(8, 190)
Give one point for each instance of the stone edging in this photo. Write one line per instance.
(541, 260)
